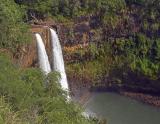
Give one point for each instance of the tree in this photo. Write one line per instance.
(34, 102)
(13, 31)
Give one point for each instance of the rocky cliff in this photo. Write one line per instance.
(80, 31)
(73, 35)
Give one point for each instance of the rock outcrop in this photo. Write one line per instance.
(76, 34)
(27, 54)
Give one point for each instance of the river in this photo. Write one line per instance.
(117, 109)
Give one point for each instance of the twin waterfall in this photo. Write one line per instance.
(57, 58)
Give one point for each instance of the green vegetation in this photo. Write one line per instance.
(27, 99)
(94, 64)
(116, 60)
(142, 54)
(13, 31)
(132, 40)
(131, 45)
(26, 95)
(7, 116)
(69, 8)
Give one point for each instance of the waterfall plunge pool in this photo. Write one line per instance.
(117, 109)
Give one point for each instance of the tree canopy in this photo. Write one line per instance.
(13, 30)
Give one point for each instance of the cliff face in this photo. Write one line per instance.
(73, 35)
(27, 54)
(77, 35)
(80, 31)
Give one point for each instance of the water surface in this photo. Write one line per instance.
(119, 109)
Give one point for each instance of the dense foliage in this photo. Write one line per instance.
(131, 46)
(131, 27)
(7, 115)
(34, 98)
(142, 54)
(69, 8)
(13, 31)
(132, 39)
(26, 95)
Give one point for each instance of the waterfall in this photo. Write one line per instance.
(42, 55)
(58, 62)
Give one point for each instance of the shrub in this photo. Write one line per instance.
(13, 31)
(34, 97)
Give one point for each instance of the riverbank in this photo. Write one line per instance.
(145, 98)
(82, 93)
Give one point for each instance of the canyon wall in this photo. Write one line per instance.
(77, 33)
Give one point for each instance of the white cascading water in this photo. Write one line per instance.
(58, 62)
(42, 55)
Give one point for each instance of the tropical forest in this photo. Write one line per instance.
(79, 61)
